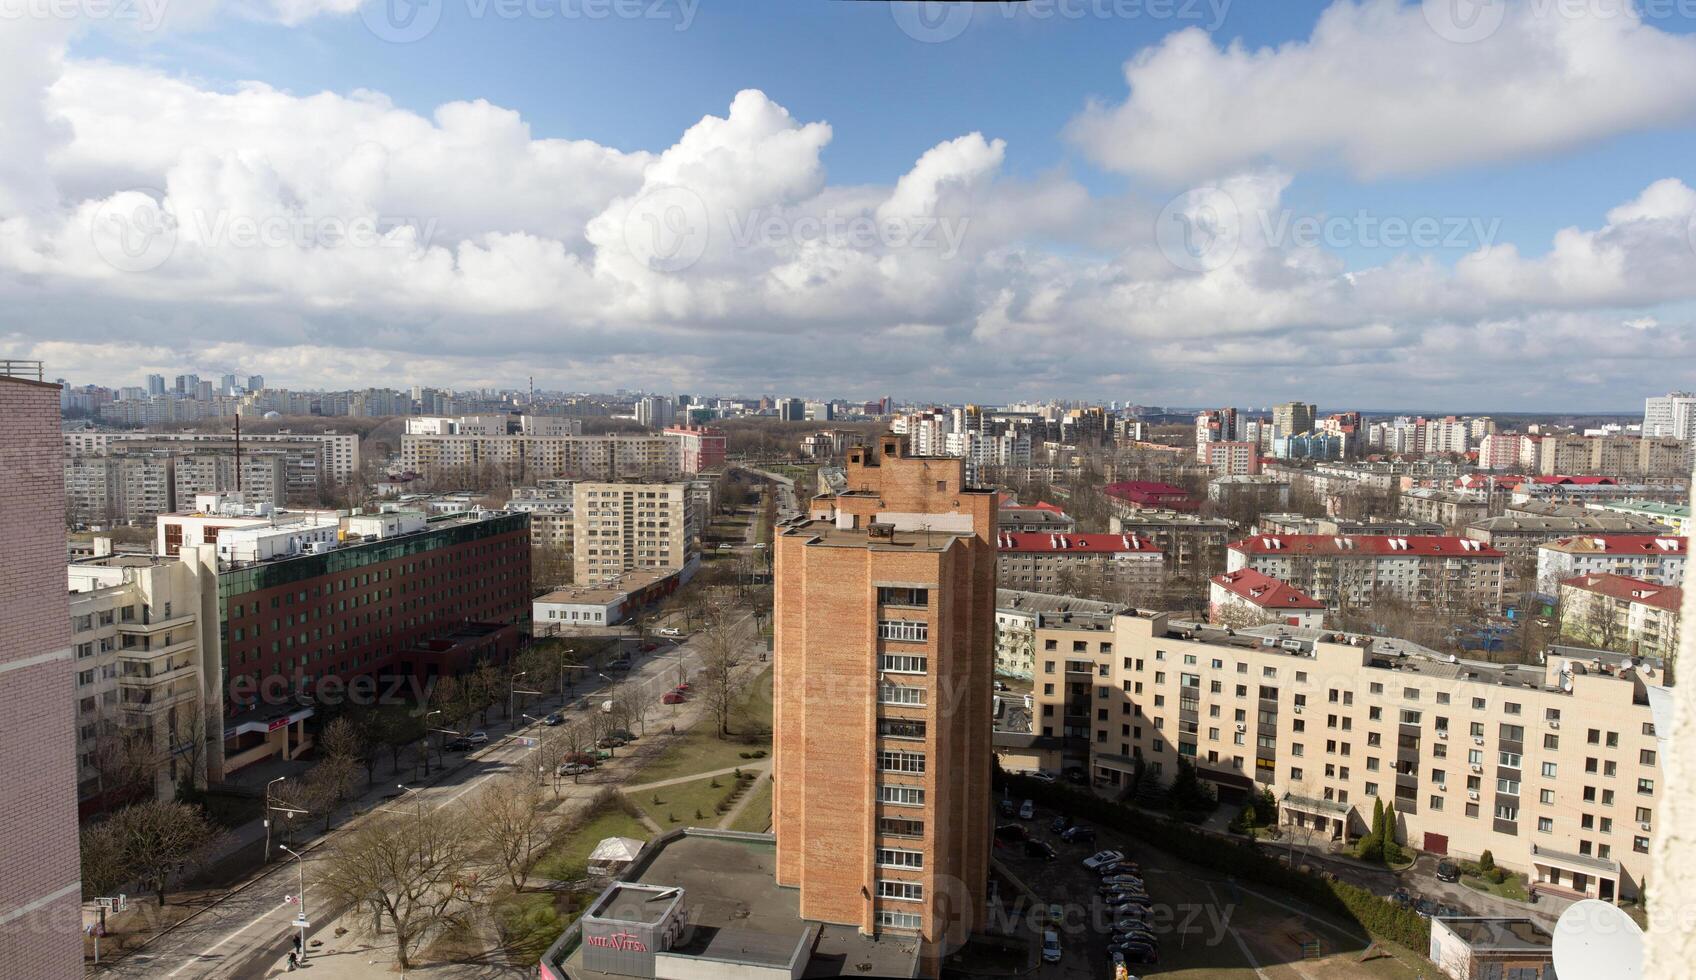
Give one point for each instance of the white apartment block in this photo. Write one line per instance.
(550, 508)
(522, 456)
(1672, 415)
(1641, 556)
(337, 455)
(1354, 571)
(118, 488)
(621, 527)
(263, 475)
(1554, 768)
(141, 669)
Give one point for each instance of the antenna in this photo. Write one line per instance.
(238, 451)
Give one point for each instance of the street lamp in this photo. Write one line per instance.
(300, 920)
(267, 856)
(427, 731)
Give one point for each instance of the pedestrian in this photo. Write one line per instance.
(294, 960)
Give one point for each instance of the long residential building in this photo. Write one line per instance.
(884, 653)
(1061, 562)
(319, 460)
(1652, 558)
(1554, 768)
(40, 887)
(524, 456)
(1451, 574)
(1520, 537)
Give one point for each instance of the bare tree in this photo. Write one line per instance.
(716, 689)
(125, 760)
(152, 843)
(416, 871)
(506, 818)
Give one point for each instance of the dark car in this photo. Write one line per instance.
(461, 744)
(1135, 933)
(1039, 849)
(1401, 897)
(1448, 871)
(1007, 808)
(1012, 831)
(553, 719)
(1058, 825)
(1425, 907)
(1078, 835)
(622, 734)
(1138, 952)
(1072, 774)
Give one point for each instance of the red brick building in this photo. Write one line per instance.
(40, 890)
(699, 448)
(884, 656)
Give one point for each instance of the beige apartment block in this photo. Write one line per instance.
(621, 527)
(884, 654)
(1556, 768)
(525, 456)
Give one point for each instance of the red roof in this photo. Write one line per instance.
(1265, 591)
(1150, 493)
(1038, 541)
(1622, 544)
(1581, 481)
(1633, 589)
(1010, 502)
(1364, 544)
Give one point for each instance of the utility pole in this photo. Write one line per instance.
(300, 920)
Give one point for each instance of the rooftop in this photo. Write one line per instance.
(1623, 524)
(827, 534)
(1037, 541)
(1621, 544)
(631, 581)
(1666, 597)
(1365, 545)
(1265, 591)
(1501, 935)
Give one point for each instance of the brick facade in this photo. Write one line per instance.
(40, 893)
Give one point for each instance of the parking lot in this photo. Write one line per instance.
(1205, 925)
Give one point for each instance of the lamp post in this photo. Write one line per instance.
(266, 859)
(300, 920)
(427, 731)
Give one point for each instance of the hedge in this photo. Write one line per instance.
(1243, 859)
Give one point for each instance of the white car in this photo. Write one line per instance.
(1100, 858)
(671, 631)
(1028, 810)
(1043, 775)
(1050, 946)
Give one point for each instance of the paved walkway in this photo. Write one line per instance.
(742, 804)
(692, 777)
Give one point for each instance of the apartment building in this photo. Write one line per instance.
(1293, 418)
(40, 935)
(1036, 519)
(118, 488)
(1245, 597)
(1194, 546)
(1021, 615)
(1619, 613)
(1671, 517)
(884, 652)
(1060, 562)
(261, 476)
(1232, 458)
(621, 527)
(1445, 573)
(1554, 768)
(549, 505)
(1520, 537)
(1449, 508)
(1671, 416)
(142, 673)
(317, 460)
(1652, 558)
(524, 456)
(699, 448)
(1400, 527)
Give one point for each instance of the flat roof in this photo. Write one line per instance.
(600, 595)
(827, 534)
(636, 903)
(1501, 935)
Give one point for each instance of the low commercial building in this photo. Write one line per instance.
(1625, 614)
(1247, 598)
(1651, 558)
(605, 605)
(1491, 949)
(1445, 573)
(1057, 562)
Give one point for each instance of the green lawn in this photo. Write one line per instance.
(700, 750)
(568, 858)
(678, 805)
(1513, 888)
(756, 816)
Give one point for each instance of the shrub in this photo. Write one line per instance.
(1486, 861)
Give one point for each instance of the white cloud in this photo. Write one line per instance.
(1377, 91)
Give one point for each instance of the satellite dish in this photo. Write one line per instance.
(1595, 939)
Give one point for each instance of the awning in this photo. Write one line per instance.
(1586, 863)
(1308, 804)
(1224, 778)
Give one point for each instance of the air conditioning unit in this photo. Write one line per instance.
(1443, 733)
(1298, 709)
(1477, 740)
(1477, 768)
(1644, 825)
(1242, 728)
(1554, 723)
(1472, 794)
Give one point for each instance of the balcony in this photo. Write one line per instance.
(134, 628)
(151, 673)
(139, 708)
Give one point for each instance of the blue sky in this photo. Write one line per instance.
(1314, 88)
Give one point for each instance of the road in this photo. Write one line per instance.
(242, 935)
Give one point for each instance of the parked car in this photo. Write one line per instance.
(1027, 810)
(623, 733)
(1056, 914)
(1012, 832)
(670, 631)
(1050, 946)
(672, 697)
(1401, 897)
(609, 742)
(478, 738)
(1120, 896)
(574, 768)
(1042, 776)
(1128, 905)
(1078, 835)
(1058, 825)
(1110, 868)
(1135, 932)
(681, 689)
(1099, 858)
(1425, 907)
(1074, 774)
(460, 744)
(1136, 952)
(554, 719)
(1039, 849)
(1448, 871)
(581, 759)
(1007, 808)
(1115, 881)
(1447, 911)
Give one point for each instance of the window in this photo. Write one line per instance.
(904, 728)
(890, 761)
(901, 596)
(903, 630)
(1545, 825)
(1646, 786)
(901, 891)
(894, 857)
(1549, 770)
(902, 663)
(900, 827)
(897, 795)
(897, 920)
(900, 694)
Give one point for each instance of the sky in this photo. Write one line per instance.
(1464, 204)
